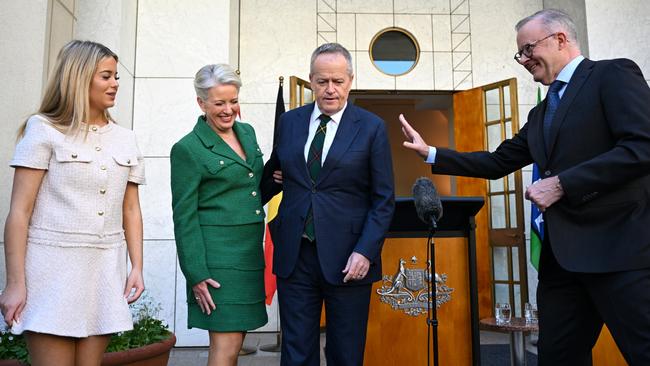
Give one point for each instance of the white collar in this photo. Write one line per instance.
(336, 117)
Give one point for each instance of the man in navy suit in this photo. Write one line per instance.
(591, 140)
(337, 204)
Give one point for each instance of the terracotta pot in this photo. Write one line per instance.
(156, 354)
(11, 363)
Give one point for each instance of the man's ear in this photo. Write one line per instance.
(562, 40)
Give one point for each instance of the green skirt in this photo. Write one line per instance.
(235, 259)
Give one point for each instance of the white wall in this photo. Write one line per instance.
(112, 23)
(24, 58)
(619, 29)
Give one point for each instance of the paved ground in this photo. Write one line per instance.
(199, 356)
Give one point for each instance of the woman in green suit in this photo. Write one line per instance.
(219, 218)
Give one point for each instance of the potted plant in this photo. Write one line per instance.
(13, 350)
(148, 344)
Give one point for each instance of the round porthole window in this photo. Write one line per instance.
(394, 51)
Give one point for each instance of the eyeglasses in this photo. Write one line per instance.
(527, 49)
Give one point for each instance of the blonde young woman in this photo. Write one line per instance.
(74, 213)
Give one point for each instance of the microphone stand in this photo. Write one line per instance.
(432, 304)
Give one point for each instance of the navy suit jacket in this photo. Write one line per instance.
(600, 150)
(352, 200)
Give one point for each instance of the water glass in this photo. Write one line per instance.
(530, 313)
(502, 313)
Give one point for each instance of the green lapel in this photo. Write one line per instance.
(247, 142)
(216, 144)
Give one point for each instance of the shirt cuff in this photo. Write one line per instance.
(431, 158)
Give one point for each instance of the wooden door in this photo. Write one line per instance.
(470, 136)
(483, 118)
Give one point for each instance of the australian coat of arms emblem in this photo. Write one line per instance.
(408, 290)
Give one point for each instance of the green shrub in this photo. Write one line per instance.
(13, 347)
(147, 328)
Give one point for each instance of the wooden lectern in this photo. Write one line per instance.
(396, 333)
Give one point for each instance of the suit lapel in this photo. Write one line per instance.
(345, 134)
(577, 80)
(247, 143)
(301, 131)
(215, 143)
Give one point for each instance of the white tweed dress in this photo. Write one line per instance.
(76, 261)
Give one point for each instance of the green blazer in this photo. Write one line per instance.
(212, 186)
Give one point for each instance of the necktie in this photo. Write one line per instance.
(552, 102)
(314, 164)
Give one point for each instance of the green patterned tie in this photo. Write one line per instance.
(314, 163)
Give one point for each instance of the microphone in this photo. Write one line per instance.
(427, 201)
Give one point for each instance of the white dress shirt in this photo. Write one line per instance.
(332, 126)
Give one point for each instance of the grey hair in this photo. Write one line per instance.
(210, 76)
(553, 20)
(331, 48)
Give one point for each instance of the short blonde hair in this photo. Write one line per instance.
(66, 103)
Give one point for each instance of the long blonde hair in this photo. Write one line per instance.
(65, 103)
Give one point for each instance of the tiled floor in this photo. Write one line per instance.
(199, 356)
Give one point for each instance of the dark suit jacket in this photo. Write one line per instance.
(352, 199)
(600, 149)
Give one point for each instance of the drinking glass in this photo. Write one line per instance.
(502, 313)
(530, 313)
